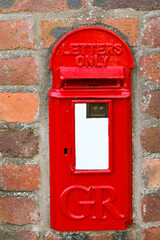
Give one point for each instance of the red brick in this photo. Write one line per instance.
(128, 26)
(150, 139)
(131, 234)
(18, 71)
(18, 235)
(151, 33)
(150, 103)
(40, 5)
(25, 178)
(126, 235)
(138, 5)
(18, 211)
(18, 107)
(152, 233)
(51, 236)
(151, 169)
(150, 67)
(102, 236)
(16, 34)
(151, 208)
(52, 30)
(16, 143)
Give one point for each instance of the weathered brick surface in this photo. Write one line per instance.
(151, 208)
(128, 26)
(150, 103)
(18, 71)
(51, 236)
(126, 235)
(16, 143)
(18, 107)
(40, 5)
(27, 27)
(75, 4)
(18, 211)
(18, 235)
(16, 34)
(150, 139)
(103, 236)
(51, 30)
(152, 233)
(151, 170)
(25, 178)
(151, 33)
(150, 67)
(76, 236)
(138, 5)
(120, 235)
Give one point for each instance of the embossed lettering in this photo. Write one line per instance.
(101, 49)
(92, 54)
(118, 48)
(89, 61)
(92, 49)
(86, 204)
(100, 202)
(74, 49)
(83, 47)
(106, 58)
(64, 52)
(80, 61)
(98, 61)
(109, 49)
(94, 196)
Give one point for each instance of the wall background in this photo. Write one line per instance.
(27, 30)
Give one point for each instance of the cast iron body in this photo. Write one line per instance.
(90, 65)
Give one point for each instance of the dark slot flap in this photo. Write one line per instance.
(91, 73)
(91, 83)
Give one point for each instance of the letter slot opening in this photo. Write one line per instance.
(73, 77)
(91, 136)
(91, 83)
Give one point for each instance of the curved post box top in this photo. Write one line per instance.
(91, 58)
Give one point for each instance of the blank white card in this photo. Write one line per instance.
(91, 141)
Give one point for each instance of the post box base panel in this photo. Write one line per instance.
(110, 227)
(91, 140)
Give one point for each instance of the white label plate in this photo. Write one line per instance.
(91, 141)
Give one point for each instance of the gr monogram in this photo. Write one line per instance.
(94, 204)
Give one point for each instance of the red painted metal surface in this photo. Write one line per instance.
(90, 64)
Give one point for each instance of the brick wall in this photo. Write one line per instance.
(27, 30)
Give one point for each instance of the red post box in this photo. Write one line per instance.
(90, 132)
